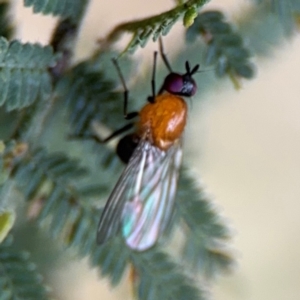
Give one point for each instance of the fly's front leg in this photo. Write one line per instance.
(95, 137)
(131, 115)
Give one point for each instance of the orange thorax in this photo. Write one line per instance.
(163, 121)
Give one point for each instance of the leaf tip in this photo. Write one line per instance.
(189, 17)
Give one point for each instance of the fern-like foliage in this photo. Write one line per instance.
(7, 219)
(90, 97)
(19, 278)
(6, 27)
(64, 8)
(287, 12)
(37, 168)
(60, 194)
(9, 153)
(225, 47)
(154, 26)
(62, 210)
(206, 235)
(70, 219)
(24, 75)
(162, 279)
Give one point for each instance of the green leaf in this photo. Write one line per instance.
(24, 73)
(225, 48)
(286, 12)
(154, 27)
(19, 278)
(38, 168)
(74, 223)
(9, 153)
(206, 235)
(89, 96)
(64, 8)
(190, 16)
(7, 219)
(160, 278)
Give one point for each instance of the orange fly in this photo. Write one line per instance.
(142, 202)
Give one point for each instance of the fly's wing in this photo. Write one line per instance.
(110, 219)
(150, 198)
(143, 198)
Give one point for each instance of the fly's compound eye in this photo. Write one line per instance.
(173, 83)
(126, 147)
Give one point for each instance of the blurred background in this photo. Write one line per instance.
(243, 145)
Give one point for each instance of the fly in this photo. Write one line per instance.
(142, 201)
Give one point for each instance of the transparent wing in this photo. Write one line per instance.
(142, 201)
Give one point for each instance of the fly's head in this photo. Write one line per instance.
(181, 84)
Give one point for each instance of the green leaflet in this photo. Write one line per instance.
(153, 27)
(64, 8)
(24, 76)
(206, 234)
(7, 219)
(225, 47)
(19, 278)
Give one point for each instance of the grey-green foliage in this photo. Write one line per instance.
(59, 191)
(85, 89)
(164, 279)
(286, 11)
(24, 76)
(225, 47)
(69, 219)
(64, 8)
(19, 278)
(153, 27)
(36, 168)
(206, 236)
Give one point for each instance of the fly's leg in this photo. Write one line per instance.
(151, 98)
(131, 115)
(164, 56)
(95, 137)
(165, 60)
(127, 116)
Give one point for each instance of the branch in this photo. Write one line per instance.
(154, 26)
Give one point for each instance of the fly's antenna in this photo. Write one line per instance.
(190, 72)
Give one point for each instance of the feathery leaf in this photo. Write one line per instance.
(154, 26)
(225, 47)
(60, 209)
(7, 219)
(160, 278)
(206, 233)
(10, 153)
(38, 168)
(287, 12)
(74, 223)
(64, 8)
(89, 97)
(18, 276)
(23, 75)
